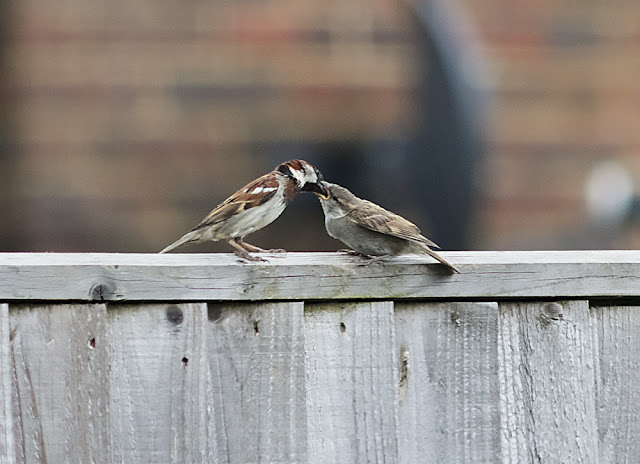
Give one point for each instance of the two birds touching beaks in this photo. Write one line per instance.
(366, 228)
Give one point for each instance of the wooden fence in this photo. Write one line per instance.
(313, 357)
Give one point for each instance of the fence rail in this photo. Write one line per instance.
(315, 357)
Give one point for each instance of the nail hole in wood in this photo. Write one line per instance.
(185, 361)
(343, 328)
(256, 329)
(92, 343)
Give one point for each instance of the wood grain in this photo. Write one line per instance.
(257, 390)
(617, 374)
(316, 276)
(337, 377)
(449, 387)
(157, 383)
(547, 384)
(7, 450)
(352, 382)
(59, 380)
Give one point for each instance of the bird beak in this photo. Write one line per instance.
(319, 189)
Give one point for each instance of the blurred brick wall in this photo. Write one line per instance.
(567, 97)
(133, 119)
(136, 118)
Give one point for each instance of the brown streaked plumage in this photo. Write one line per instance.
(371, 230)
(243, 199)
(255, 206)
(378, 219)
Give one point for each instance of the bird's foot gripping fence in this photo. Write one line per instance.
(314, 357)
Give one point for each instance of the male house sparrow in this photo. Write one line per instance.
(254, 206)
(370, 229)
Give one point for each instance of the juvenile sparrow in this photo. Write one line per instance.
(255, 206)
(371, 230)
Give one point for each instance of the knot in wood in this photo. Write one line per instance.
(174, 315)
(102, 291)
(551, 312)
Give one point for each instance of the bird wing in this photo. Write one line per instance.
(378, 219)
(251, 195)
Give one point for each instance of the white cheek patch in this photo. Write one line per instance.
(302, 177)
(257, 190)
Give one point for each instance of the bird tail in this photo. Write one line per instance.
(435, 255)
(189, 237)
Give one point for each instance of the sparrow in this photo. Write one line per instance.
(370, 229)
(254, 206)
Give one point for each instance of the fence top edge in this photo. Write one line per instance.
(315, 258)
(484, 275)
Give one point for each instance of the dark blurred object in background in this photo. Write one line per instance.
(133, 123)
(451, 136)
(8, 155)
(430, 172)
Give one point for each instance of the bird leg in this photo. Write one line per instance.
(351, 252)
(241, 251)
(255, 249)
(367, 259)
(375, 259)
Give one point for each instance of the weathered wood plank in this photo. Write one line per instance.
(257, 390)
(7, 450)
(59, 375)
(449, 383)
(316, 276)
(547, 384)
(157, 384)
(617, 361)
(352, 382)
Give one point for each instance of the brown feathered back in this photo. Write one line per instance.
(242, 200)
(378, 219)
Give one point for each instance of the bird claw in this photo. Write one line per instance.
(252, 258)
(255, 249)
(351, 252)
(376, 259)
(367, 260)
(276, 250)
